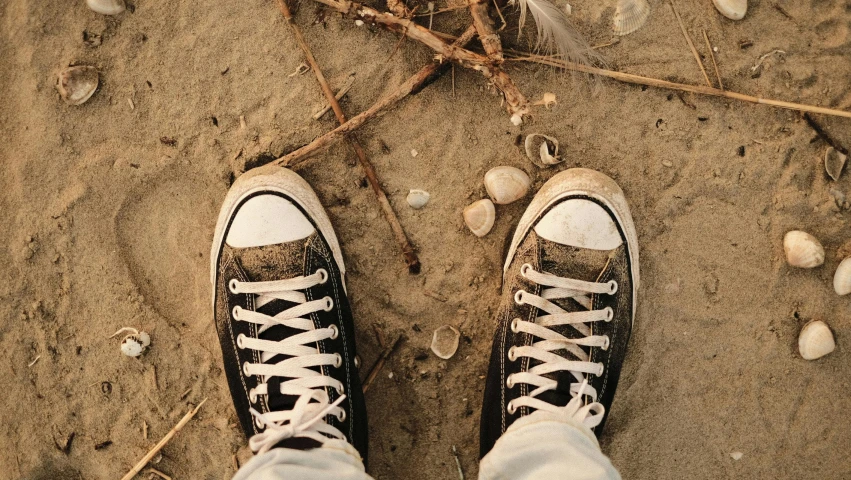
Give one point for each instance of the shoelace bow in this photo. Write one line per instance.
(307, 417)
(551, 341)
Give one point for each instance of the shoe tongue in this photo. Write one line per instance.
(268, 263)
(579, 264)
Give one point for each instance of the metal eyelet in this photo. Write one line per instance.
(600, 371)
(235, 312)
(240, 339)
(341, 390)
(342, 416)
(512, 354)
(610, 314)
(357, 361)
(232, 284)
(613, 287)
(245, 369)
(509, 382)
(259, 423)
(525, 269)
(606, 343)
(510, 408)
(338, 362)
(335, 332)
(518, 297)
(323, 275)
(514, 324)
(329, 304)
(252, 395)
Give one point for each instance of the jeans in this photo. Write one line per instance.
(541, 445)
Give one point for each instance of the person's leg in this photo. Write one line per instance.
(286, 330)
(568, 303)
(336, 460)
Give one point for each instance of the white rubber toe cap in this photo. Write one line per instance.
(267, 220)
(580, 223)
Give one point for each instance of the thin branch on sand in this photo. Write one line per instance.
(653, 82)
(411, 86)
(401, 238)
(690, 44)
(485, 28)
(159, 446)
(379, 364)
(516, 103)
(714, 64)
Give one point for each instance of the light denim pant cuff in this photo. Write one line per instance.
(334, 459)
(547, 445)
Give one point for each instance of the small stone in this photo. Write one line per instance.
(414, 153)
(667, 163)
(737, 455)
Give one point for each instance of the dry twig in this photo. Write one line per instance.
(159, 446)
(690, 44)
(407, 250)
(824, 135)
(515, 101)
(485, 28)
(339, 95)
(714, 64)
(653, 82)
(379, 364)
(411, 86)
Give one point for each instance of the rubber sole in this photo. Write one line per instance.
(589, 183)
(272, 178)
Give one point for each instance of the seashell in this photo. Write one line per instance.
(542, 150)
(802, 249)
(479, 217)
(144, 339)
(842, 277)
(77, 84)
(444, 343)
(630, 15)
(107, 7)
(834, 161)
(815, 340)
(506, 184)
(732, 9)
(417, 199)
(132, 346)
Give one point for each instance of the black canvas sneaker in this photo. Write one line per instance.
(282, 316)
(569, 287)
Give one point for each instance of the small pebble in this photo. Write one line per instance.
(737, 455)
(414, 153)
(667, 163)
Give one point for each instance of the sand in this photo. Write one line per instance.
(106, 226)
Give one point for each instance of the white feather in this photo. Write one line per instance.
(555, 30)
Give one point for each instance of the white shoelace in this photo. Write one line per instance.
(307, 418)
(551, 341)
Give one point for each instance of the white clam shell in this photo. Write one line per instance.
(834, 162)
(132, 346)
(418, 199)
(77, 84)
(802, 249)
(732, 9)
(144, 339)
(506, 184)
(479, 217)
(815, 340)
(630, 15)
(842, 277)
(444, 342)
(542, 150)
(107, 7)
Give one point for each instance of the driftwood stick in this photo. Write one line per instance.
(423, 77)
(516, 103)
(653, 82)
(690, 44)
(168, 436)
(485, 28)
(401, 238)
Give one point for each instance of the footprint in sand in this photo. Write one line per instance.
(164, 230)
